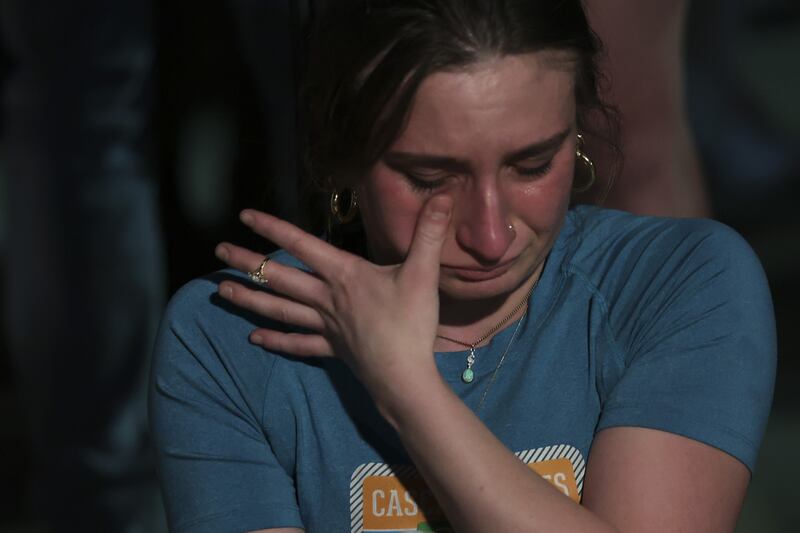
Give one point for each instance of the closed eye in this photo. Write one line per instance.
(534, 172)
(421, 182)
(427, 182)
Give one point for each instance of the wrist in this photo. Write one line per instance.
(405, 397)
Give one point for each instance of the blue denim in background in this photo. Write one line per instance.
(742, 85)
(84, 281)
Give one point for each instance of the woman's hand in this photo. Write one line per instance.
(380, 320)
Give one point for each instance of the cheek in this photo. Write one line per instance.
(389, 210)
(542, 205)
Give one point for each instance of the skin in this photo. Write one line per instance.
(421, 243)
(662, 174)
(488, 179)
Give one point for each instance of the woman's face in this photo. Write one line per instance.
(499, 137)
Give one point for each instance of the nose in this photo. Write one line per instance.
(482, 224)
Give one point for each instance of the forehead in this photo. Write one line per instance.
(501, 101)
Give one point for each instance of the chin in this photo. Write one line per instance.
(471, 290)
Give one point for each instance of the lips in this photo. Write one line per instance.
(479, 274)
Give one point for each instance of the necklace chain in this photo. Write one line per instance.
(499, 365)
(467, 376)
(497, 326)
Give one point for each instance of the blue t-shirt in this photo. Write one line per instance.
(636, 321)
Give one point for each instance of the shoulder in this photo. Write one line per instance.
(606, 233)
(197, 304)
(687, 313)
(646, 269)
(617, 252)
(204, 336)
(210, 418)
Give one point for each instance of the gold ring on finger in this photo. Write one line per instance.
(258, 275)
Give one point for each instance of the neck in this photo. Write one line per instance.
(468, 321)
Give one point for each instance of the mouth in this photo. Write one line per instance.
(479, 274)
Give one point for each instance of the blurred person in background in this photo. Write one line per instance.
(742, 87)
(86, 269)
(710, 122)
(84, 265)
(644, 41)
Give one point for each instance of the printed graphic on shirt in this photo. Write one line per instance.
(395, 498)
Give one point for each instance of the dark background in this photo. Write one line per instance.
(210, 154)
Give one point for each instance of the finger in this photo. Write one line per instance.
(271, 306)
(424, 255)
(238, 257)
(298, 285)
(300, 344)
(314, 252)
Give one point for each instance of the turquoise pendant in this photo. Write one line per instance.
(468, 375)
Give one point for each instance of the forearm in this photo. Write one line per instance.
(478, 482)
(661, 174)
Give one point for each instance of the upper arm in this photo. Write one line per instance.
(645, 480)
(686, 398)
(216, 464)
(694, 342)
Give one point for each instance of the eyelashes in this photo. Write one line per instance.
(423, 184)
(535, 172)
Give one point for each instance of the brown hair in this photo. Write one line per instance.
(368, 58)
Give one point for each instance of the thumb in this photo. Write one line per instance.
(425, 252)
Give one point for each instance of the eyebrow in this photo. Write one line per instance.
(409, 159)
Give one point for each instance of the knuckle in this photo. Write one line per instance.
(278, 343)
(431, 233)
(296, 243)
(347, 272)
(284, 315)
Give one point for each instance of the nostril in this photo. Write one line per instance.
(483, 226)
(487, 243)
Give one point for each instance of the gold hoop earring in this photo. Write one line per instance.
(348, 215)
(589, 166)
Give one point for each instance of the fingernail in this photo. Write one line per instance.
(256, 339)
(221, 251)
(440, 208)
(226, 291)
(246, 218)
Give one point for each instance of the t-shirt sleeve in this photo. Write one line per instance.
(217, 469)
(694, 328)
